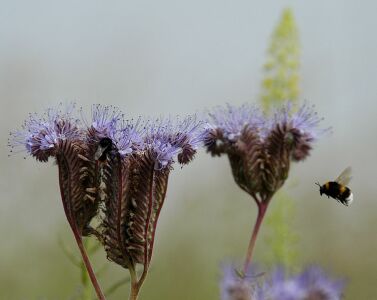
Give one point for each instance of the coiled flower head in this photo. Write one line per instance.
(169, 140)
(260, 148)
(40, 135)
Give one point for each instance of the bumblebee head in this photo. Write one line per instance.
(320, 188)
(104, 146)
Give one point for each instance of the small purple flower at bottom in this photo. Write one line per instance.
(311, 284)
(234, 286)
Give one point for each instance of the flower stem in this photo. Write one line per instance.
(135, 286)
(262, 207)
(88, 266)
(72, 224)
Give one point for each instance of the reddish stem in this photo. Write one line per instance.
(88, 266)
(262, 207)
(72, 224)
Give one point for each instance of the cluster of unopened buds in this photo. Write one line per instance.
(117, 170)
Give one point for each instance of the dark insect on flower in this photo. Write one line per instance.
(105, 145)
(338, 189)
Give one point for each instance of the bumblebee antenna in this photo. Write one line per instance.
(317, 183)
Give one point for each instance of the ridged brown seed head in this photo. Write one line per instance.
(246, 156)
(113, 184)
(57, 134)
(133, 193)
(76, 178)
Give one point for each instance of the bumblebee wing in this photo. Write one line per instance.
(345, 177)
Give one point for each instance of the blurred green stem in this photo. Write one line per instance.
(262, 207)
(87, 289)
(135, 286)
(88, 266)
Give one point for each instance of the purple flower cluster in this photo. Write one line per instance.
(168, 140)
(39, 135)
(260, 147)
(312, 284)
(236, 287)
(115, 169)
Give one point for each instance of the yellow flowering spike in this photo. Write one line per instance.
(281, 81)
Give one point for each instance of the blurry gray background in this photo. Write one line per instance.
(172, 57)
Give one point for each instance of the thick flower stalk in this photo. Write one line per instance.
(57, 134)
(260, 149)
(311, 284)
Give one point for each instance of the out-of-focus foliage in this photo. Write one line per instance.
(281, 239)
(281, 82)
(85, 290)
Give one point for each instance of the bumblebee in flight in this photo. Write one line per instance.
(338, 189)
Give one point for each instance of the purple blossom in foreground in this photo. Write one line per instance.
(235, 287)
(311, 284)
(41, 134)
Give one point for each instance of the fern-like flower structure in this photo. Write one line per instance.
(260, 148)
(114, 169)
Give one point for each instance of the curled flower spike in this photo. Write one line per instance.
(57, 134)
(168, 140)
(129, 137)
(105, 119)
(225, 126)
(311, 284)
(132, 183)
(40, 135)
(261, 148)
(303, 128)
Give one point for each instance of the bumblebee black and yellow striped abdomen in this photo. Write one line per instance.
(337, 191)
